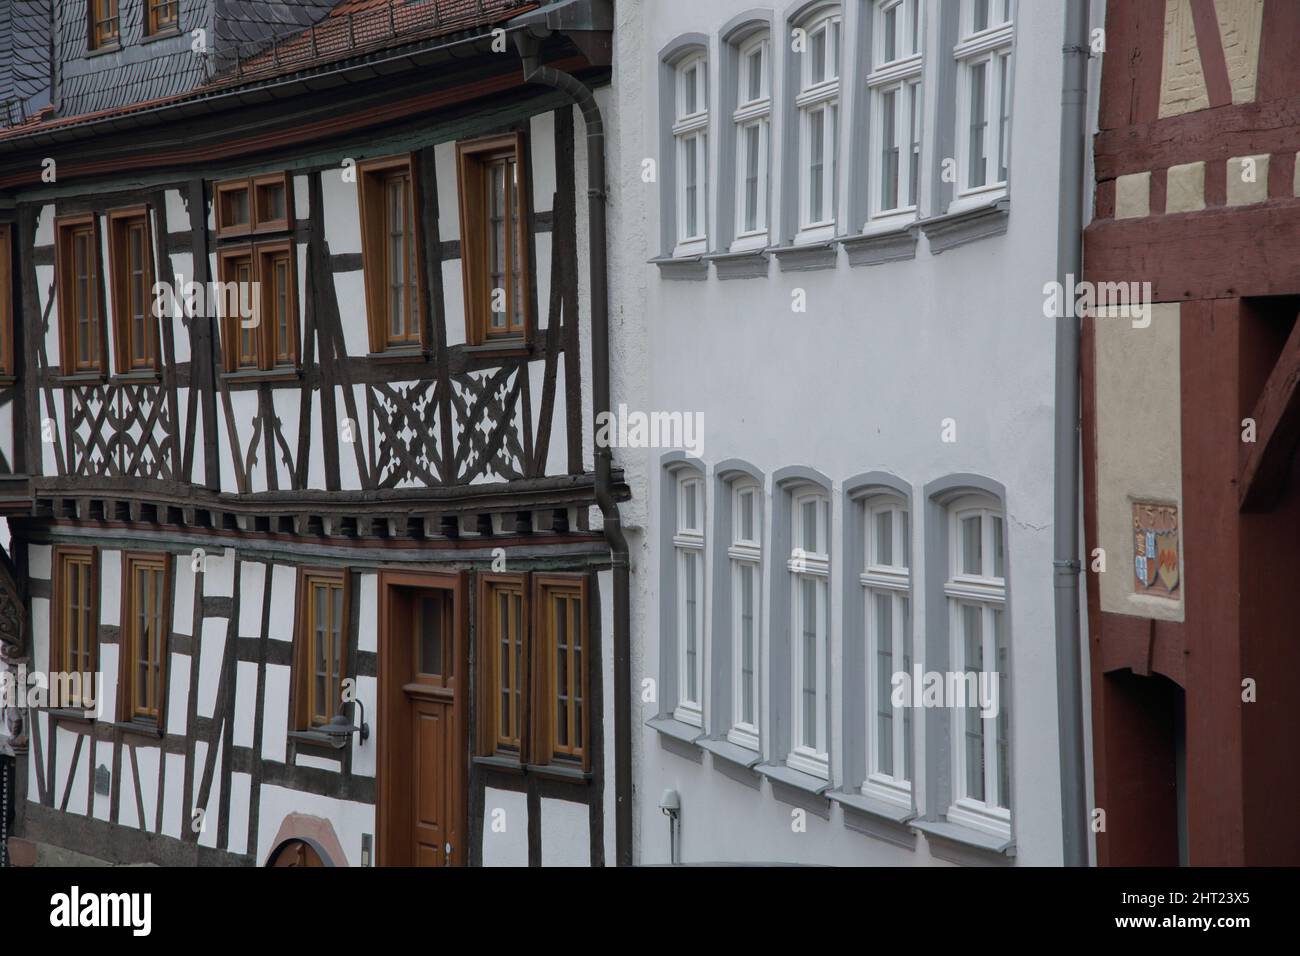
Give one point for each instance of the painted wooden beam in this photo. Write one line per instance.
(1266, 462)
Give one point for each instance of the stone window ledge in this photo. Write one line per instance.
(687, 268)
(956, 229)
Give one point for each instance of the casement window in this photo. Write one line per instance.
(504, 627)
(894, 83)
(817, 102)
(886, 589)
(131, 278)
(6, 301)
(494, 207)
(753, 121)
(809, 567)
(161, 16)
(253, 206)
(81, 333)
(75, 645)
(977, 627)
(321, 647)
(562, 717)
(390, 252)
(688, 546)
(259, 307)
(146, 615)
(745, 556)
(104, 24)
(983, 55)
(691, 153)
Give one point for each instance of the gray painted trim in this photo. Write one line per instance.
(950, 231)
(797, 788)
(808, 257)
(944, 72)
(857, 490)
(675, 729)
(779, 676)
(673, 51)
(732, 753)
(963, 840)
(876, 808)
(686, 268)
(739, 29)
(854, 206)
(670, 465)
(937, 496)
(752, 264)
(719, 709)
(896, 246)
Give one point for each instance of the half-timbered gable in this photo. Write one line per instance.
(301, 391)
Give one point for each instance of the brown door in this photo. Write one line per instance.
(423, 747)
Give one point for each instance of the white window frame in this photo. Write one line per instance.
(745, 554)
(889, 578)
(819, 96)
(987, 48)
(985, 591)
(688, 545)
(692, 126)
(900, 75)
(805, 566)
(749, 114)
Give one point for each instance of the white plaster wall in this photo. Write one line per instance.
(178, 694)
(862, 381)
(252, 581)
(349, 819)
(245, 703)
(212, 646)
(241, 788)
(174, 816)
(505, 828)
(342, 215)
(566, 833)
(275, 714)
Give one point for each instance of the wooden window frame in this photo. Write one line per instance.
(154, 24)
(544, 749)
(59, 611)
(120, 222)
(128, 651)
(108, 15)
(302, 698)
(472, 159)
(251, 186)
(265, 333)
(7, 345)
(65, 228)
(372, 177)
(491, 742)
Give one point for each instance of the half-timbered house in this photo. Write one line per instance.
(303, 329)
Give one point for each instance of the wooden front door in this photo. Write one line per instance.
(422, 732)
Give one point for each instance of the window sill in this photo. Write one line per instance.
(512, 347)
(723, 749)
(166, 34)
(400, 355)
(877, 819)
(8, 380)
(496, 762)
(683, 268)
(807, 257)
(80, 378)
(671, 727)
(114, 47)
(879, 246)
(68, 713)
(858, 802)
(316, 740)
(797, 779)
(740, 264)
(557, 771)
(262, 375)
(136, 727)
(151, 377)
(954, 229)
(965, 837)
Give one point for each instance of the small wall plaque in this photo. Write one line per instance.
(1156, 565)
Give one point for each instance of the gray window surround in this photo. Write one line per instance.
(685, 267)
(672, 465)
(733, 34)
(785, 482)
(943, 230)
(857, 491)
(938, 495)
(719, 712)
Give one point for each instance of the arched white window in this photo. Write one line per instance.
(894, 82)
(983, 54)
(886, 584)
(976, 591)
(745, 554)
(809, 566)
(688, 545)
(753, 121)
(691, 140)
(818, 105)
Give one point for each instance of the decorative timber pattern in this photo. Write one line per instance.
(119, 431)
